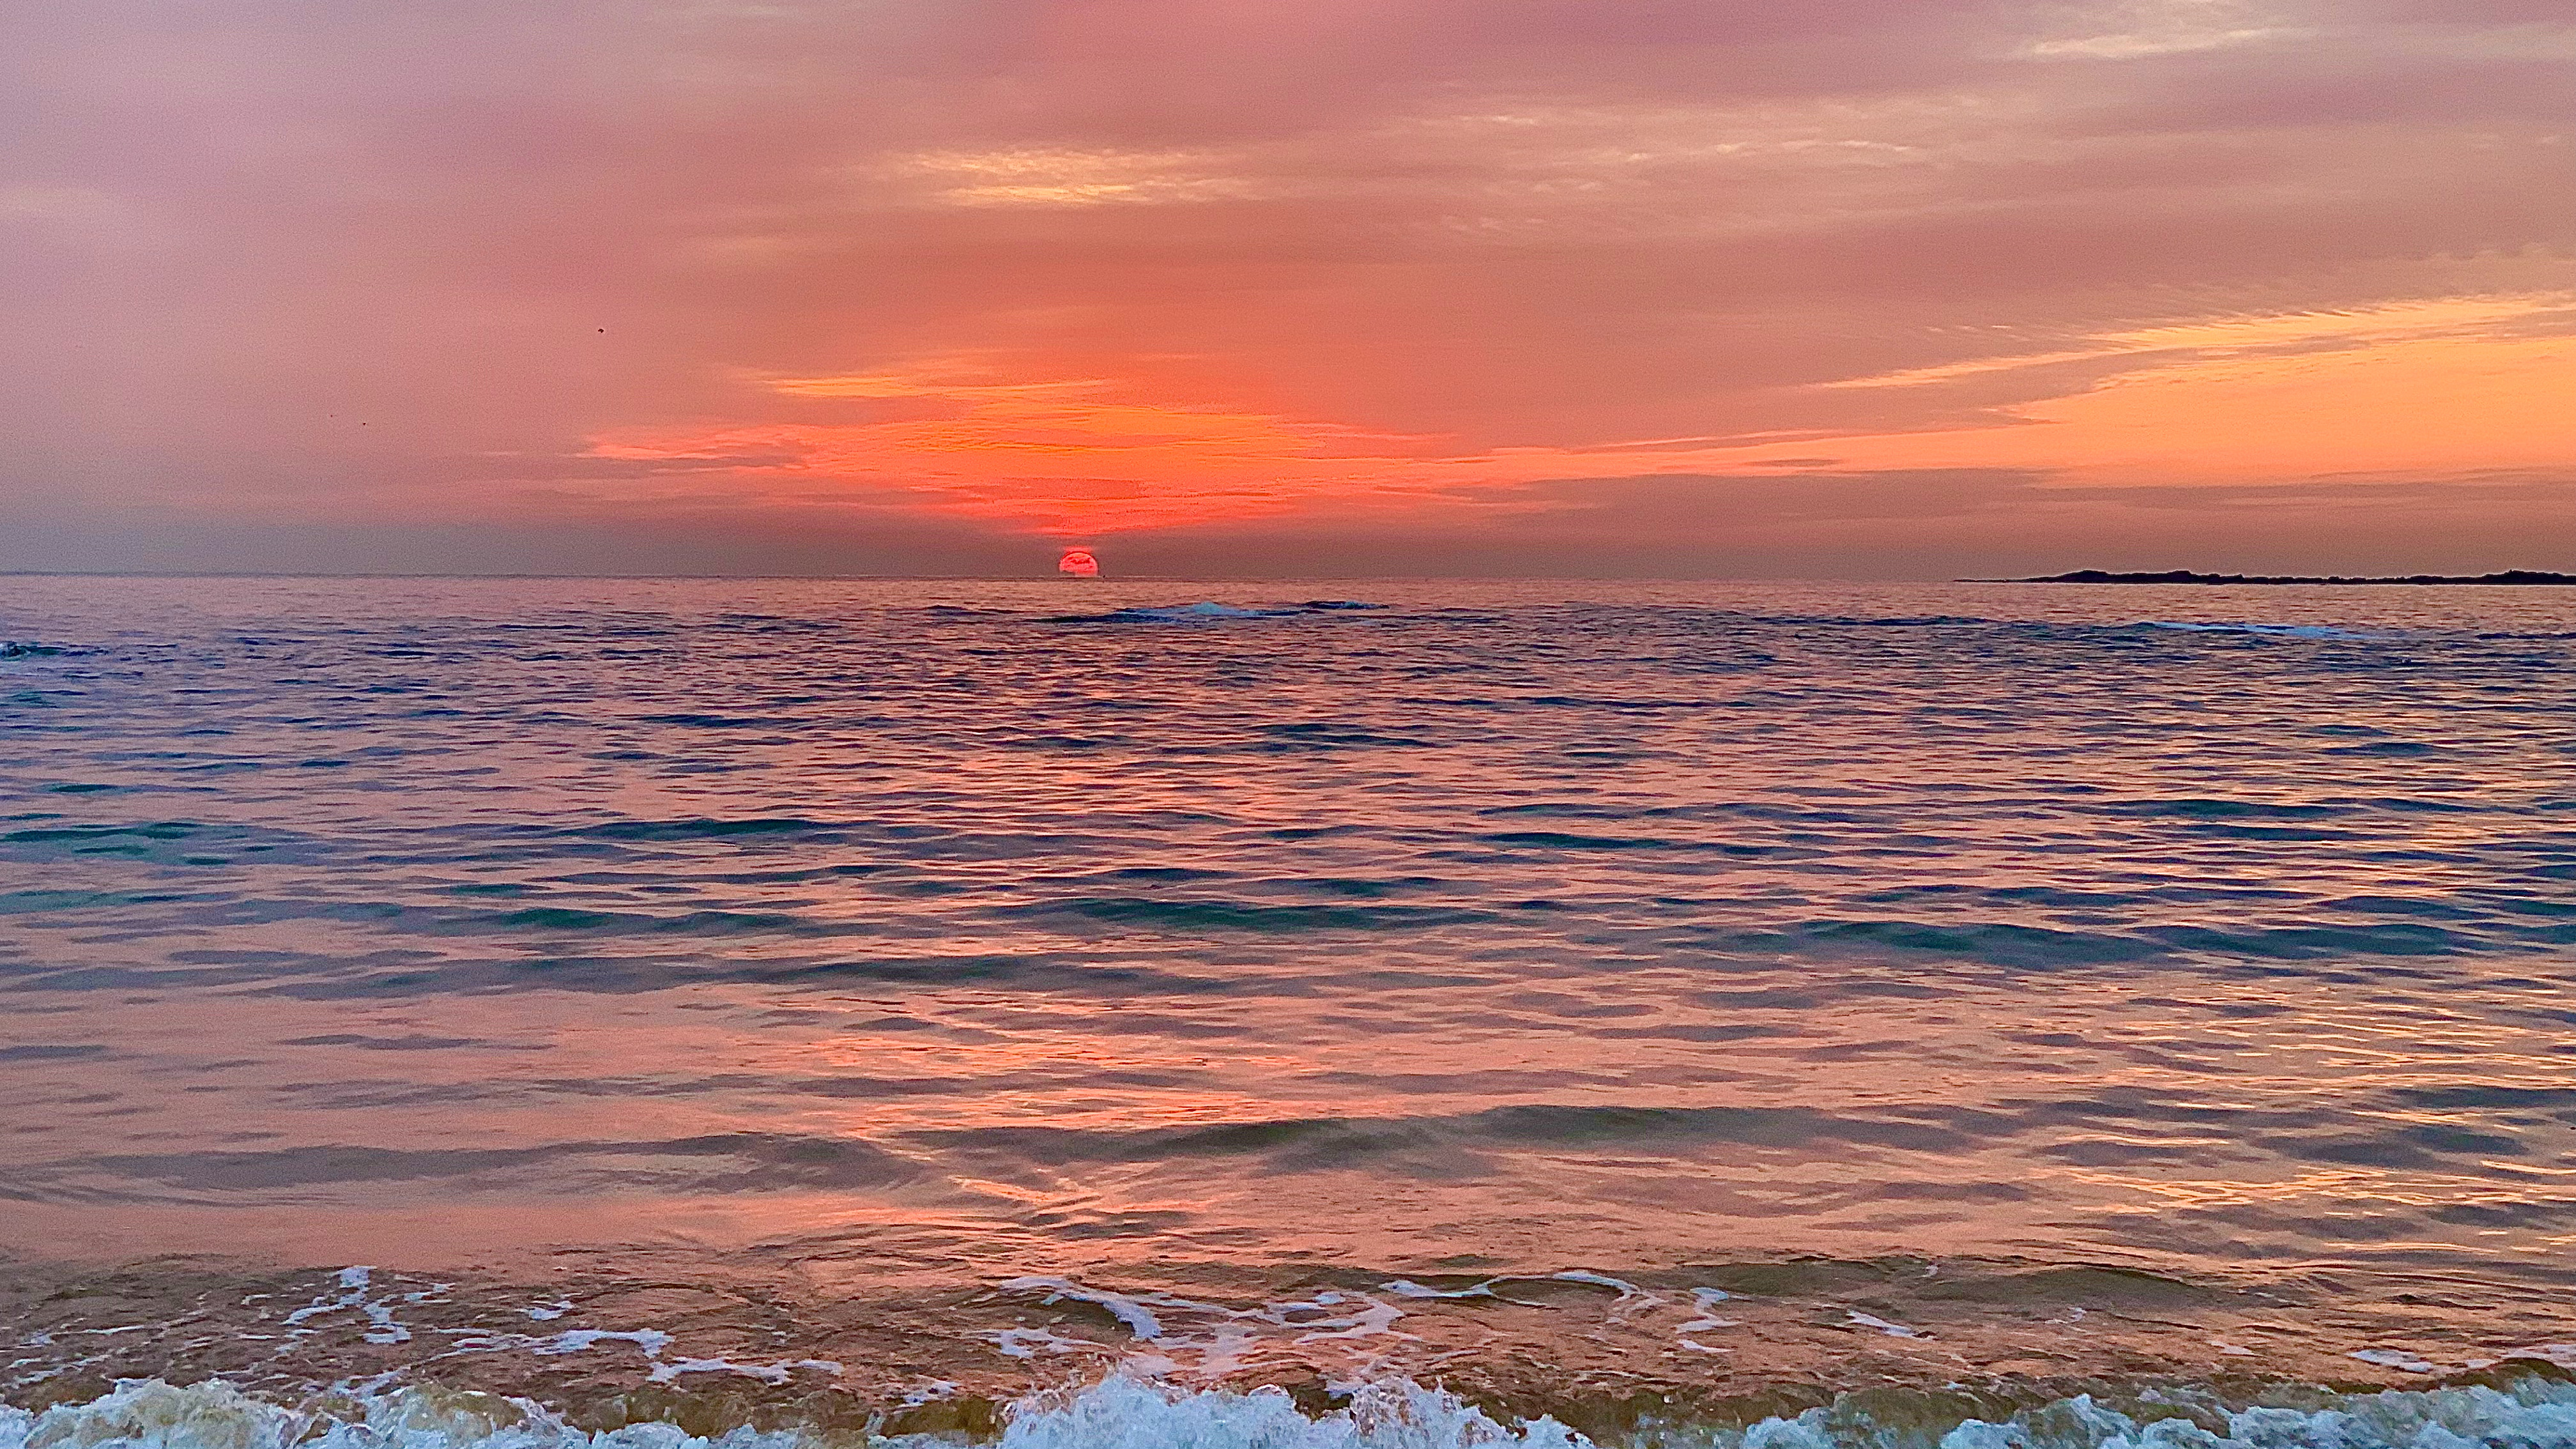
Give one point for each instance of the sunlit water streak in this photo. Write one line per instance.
(946, 935)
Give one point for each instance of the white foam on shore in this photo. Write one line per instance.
(1707, 1300)
(653, 1343)
(357, 1295)
(1128, 1412)
(1854, 1318)
(1202, 1340)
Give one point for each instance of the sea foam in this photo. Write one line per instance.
(1128, 1412)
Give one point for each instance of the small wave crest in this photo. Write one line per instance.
(2274, 631)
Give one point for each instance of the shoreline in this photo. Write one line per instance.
(716, 1347)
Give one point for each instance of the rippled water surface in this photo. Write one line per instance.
(956, 933)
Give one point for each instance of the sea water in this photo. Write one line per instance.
(515, 1011)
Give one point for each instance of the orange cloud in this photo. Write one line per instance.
(2454, 386)
(1067, 457)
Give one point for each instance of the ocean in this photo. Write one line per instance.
(535, 1012)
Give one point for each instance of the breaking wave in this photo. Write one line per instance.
(1130, 1412)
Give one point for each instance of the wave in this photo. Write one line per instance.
(1847, 621)
(2276, 631)
(1130, 1411)
(729, 1161)
(2422, 1130)
(1209, 612)
(1232, 915)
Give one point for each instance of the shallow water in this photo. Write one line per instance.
(888, 944)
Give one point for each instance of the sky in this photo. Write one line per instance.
(1660, 288)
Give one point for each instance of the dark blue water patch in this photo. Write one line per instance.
(707, 829)
(2231, 830)
(726, 721)
(1069, 744)
(364, 1094)
(722, 1162)
(722, 837)
(1723, 617)
(2413, 805)
(2363, 1129)
(1165, 874)
(140, 839)
(1330, 1143)
(1059, 973)
(2418, 1147)
(2485, 1096)
(2311, 943)
(2374, 905)
(47, 902)
(1376, 888)
(1997, 943)
(1556, 840)
(2208, 809)
(554, 919)
(2112, 1152)
(404, 975)
(2510, 902)
(2528, 1214)
(1967, 895)
(1192, 916)
(1567, 810)
(161, 841)
(1624, 706)
(1204, 614)
(1327, 735)
(387, 1044)
(51, 1052)
(772, 624)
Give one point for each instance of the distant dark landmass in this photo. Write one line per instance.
(2185, 576)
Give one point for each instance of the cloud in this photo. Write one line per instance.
(1163, 269)
(1909, 524)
